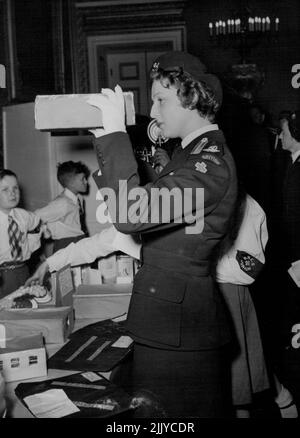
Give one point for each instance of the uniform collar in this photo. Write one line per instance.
(190, 137)
(71, 195)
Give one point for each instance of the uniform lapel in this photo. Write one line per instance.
(180, 157)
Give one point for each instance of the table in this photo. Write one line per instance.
(112, 304)
(15, 408)
(103, 301)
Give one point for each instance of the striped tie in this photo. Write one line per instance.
(14, 238)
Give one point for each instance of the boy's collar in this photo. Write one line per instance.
(71, 195)
(6, 214)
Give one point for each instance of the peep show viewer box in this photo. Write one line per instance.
(102, 301)
(71, 111)
(55, 319)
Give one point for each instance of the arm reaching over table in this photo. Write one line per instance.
(86, 251)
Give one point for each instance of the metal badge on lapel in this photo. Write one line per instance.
(213, 148)
(201, 167)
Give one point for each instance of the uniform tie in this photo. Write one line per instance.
(14, 238)
(82, 217)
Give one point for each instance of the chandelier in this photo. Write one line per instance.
(243, 31)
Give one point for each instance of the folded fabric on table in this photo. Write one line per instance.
(96, 347)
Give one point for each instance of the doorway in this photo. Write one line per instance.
(127, 59)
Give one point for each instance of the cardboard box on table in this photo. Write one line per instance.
(106, 295)
(55, 319)
(22, 357)
(103, 301)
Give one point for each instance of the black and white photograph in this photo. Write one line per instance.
(149, 212)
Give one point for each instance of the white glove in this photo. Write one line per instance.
(112, 105)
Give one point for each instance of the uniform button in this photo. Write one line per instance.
(152, 290)
(103, 162)
(100, 154)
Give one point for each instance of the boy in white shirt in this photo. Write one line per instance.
(64, 215)
(20, 234)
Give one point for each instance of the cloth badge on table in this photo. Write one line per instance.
(249, 264)
(96, 347)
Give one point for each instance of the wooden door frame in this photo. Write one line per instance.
(99, 45)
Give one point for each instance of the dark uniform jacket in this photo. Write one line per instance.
(174, 304)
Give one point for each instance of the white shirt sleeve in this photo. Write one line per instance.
(85, 251)
(252, 239)
(34, 239)
(32, 220)
(53, 211)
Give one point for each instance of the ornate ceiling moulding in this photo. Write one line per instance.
(109, 15)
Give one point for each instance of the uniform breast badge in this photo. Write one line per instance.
(212, 148)
(201, 167)
(212, 158)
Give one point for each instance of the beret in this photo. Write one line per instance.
(190, 64)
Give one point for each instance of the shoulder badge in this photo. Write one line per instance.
(201, 167)
(212, 158)
(249, 264)
(199, 146)
(212, 148)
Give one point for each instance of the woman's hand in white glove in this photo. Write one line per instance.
(112, 105)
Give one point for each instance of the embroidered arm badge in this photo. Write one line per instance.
(249, 264)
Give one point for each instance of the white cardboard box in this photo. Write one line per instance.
(71, 111)
(55, 323)
(108, 269)
(23, 358)
(54, 319)
(124, 269)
